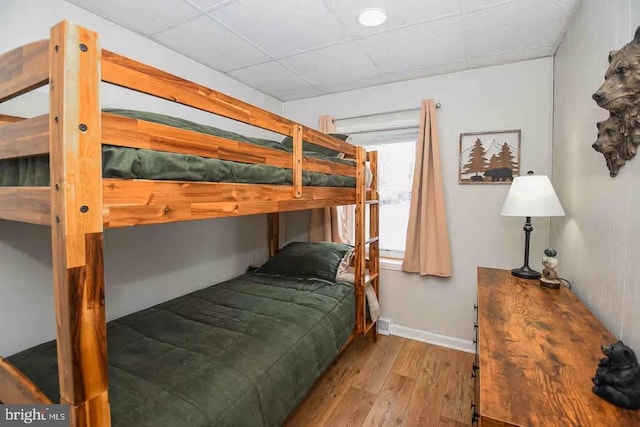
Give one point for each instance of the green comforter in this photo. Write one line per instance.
(241, 353)
(132, 163)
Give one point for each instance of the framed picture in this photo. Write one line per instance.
(489, 157)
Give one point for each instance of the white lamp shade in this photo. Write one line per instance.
(532, 195)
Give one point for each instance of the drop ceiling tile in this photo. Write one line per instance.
(516, 25)
(518, 55)
(418, 46)
(470, 5)
(208, 42)
(356, 84)
(283, 27)
(208, 4)
(399, 12)
(474, 63)
(339, 63)
(271, 78)
(300, 94)
(468, 64)
(436, 70)
(143, 16)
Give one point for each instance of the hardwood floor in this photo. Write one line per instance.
(395, 381)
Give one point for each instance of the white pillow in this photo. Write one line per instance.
(345, 264)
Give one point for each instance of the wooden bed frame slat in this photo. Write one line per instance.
(16, 388)
(328, 141)
(26, 204)
(136, 202)
(24, 69)
(295, 205)
(127, 132)
(28, 137)
(76, 212)
(122, 71)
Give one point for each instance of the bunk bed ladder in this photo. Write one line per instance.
(374, 237)
(367, 270)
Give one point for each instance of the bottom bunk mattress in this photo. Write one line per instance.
(240, 353)
(134, 163)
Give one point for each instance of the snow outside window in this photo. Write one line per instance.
(396, 146)
(395, 170)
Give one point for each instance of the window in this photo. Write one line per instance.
(395, 178)
(394, 137)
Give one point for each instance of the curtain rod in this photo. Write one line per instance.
(438, 105)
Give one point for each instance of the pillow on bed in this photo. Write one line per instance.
(307, 146)
(320, 260)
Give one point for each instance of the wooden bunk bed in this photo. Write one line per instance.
(79, 203)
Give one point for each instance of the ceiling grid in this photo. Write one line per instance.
(294, 49)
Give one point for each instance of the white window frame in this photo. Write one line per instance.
(377, 129)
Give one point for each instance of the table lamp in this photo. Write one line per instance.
(530, 195)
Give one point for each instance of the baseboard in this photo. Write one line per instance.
(432, 338)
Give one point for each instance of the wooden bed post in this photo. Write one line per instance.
(76, 222)
(297, 161)
(360, 262)
(274, 233)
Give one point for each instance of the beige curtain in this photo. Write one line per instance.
(427, 247)
(329, 224)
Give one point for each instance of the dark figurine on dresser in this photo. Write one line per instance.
(617, 378)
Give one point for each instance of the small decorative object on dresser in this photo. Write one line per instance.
(617, 378)
(549, 277)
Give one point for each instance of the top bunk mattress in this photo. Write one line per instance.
(241, 353)
(134, 163)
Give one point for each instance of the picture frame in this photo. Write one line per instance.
(489, 157)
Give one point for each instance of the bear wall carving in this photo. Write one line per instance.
(619, 135)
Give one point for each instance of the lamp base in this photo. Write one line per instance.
(525, 272)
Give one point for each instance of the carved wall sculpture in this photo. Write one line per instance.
(619, 135)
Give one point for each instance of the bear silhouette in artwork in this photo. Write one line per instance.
(500, 174)
(617, 378)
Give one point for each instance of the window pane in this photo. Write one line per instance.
(395, 178)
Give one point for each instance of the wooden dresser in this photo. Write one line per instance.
(537, 350)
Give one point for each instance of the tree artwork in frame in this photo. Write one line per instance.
(489, 157)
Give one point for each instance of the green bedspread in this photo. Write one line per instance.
(132, 163)
(241, 353)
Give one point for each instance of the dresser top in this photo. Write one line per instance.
(539, 349)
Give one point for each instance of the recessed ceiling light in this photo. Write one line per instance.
(372, 17)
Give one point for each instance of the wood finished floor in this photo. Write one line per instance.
(396, 382)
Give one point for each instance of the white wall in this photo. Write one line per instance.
(144, 265)
(599, 240)
(515, 96)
